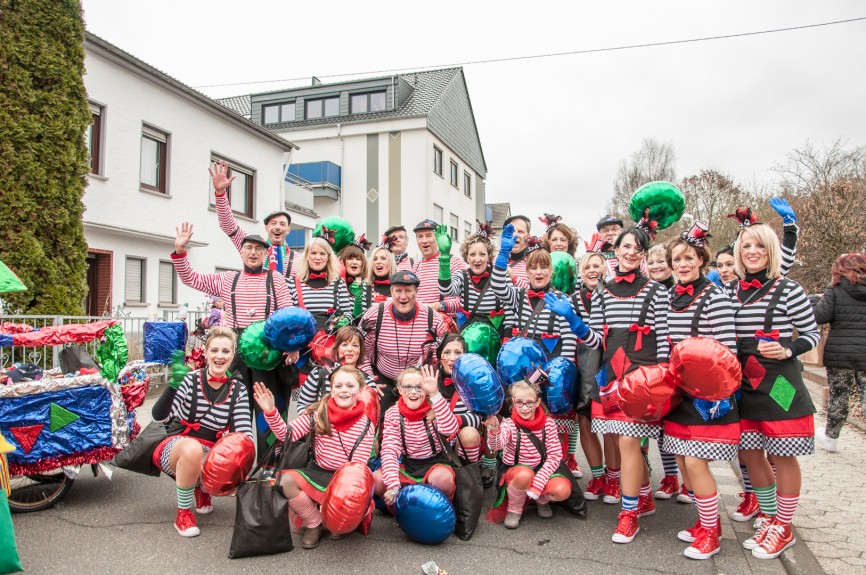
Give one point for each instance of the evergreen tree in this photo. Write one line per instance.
(43, 157)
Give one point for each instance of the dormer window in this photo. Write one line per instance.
(368, 102)
(276, 113)
(323, 108)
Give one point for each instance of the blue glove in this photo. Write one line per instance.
(784, 209)
(506, 244)
(561, 306)
(714, 277)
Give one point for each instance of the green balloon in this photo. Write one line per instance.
(564, 272)
(340, 230)
(483, 339)
(255, 351)
(665, 202)
(112, 353)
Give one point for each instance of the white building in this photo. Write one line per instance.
(151, 143)
(382, 151)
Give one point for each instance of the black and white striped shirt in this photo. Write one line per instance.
(716, 320)
(461, 294)
(320, 300)
(219, 416)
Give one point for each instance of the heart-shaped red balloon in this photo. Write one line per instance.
(706, 368)
(647, 393)
(348, 498)
(228, 463)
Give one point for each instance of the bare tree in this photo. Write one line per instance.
(808, 169)
(652, 161)
(710, 197)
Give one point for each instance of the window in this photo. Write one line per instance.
(241, 191)
(467, 184)
(323, 108)
(134, 286)
(438, 214)
(437, 160)
(369, 102)
(296, 239)
(467, 229)
(454, 173)
(167, 284)
(276, 113)
(93, 135)
(455, 221)
(154, 160)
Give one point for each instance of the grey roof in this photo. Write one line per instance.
(99, 46)
(237, 104)
(501, 212)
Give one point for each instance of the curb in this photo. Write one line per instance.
(799, 559)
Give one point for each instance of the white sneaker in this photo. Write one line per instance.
(826, 443)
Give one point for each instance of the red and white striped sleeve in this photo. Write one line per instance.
(446, 422)
(392, 448)
(278, 426)
(227, 220)
(300, 427)
(210, 284)
(502, 438)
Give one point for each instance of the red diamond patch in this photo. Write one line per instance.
(754, 372)
(620, 363)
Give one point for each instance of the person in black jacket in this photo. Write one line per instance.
(843, 306)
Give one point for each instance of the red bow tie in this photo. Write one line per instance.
(478, 278)
(628, 278)
(321, 276)
(774, 335)
(382, 282)
(744, 285)
(218, 379)
(447, 381)
(681, 289)
(533, 294)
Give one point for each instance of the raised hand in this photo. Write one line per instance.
(561, 306)
(219, 176)
(429, 380)
(508, 239)
(784, 209)
(182, 237)
(443, 239)
(264, 397)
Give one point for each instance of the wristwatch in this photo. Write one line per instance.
(789, 353)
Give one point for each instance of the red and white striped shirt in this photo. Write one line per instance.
(506, 440)
(331, 451)
(251, 295)
(428, 272)
(519, 278)
(400, 344)
(416, 437)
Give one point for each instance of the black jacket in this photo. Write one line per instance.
(844, 308)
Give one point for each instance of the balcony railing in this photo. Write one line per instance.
(325, 178)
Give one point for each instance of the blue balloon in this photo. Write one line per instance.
(290, 329)
(478, 384)
(519, 357)
(425, 514)
(562, 384)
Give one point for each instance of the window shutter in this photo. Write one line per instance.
(166, 283)
(133, 286)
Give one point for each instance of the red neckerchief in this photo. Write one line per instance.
(385, 282)
(628, 278)
(349, 279)
(744, 285)
(447, 381)
(342, 419)
(321, 276)
(534, 424)
(413, 414)
(681, 289)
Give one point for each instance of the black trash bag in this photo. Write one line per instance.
(74, 357)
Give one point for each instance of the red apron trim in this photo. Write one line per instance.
(728, 433)
(798, 427)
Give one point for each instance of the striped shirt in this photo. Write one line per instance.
(230, 226)
(320, 300)
(623, 312)
(251, 296)
(317, 384)
(428, 272)
(221, 415)
(404, 262)
(506, 440)
(790, 234)
(792, 312)
(331, 451)
(416, 437)
(546, 322)
(467, 418)
(716, 320)
(400, 344)
(461, 294)
(519, 278)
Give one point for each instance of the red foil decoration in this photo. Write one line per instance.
(348, 498)
(706, 368)
(227, 464)
(646, 394)
(371, 404)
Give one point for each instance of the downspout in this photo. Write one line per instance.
(286, 165)
(342, 168)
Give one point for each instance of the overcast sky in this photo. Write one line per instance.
(553, 129)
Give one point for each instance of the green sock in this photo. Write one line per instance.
(767, 499)
(597, 471)
(185, 497)
(488, 462)
(573, 439)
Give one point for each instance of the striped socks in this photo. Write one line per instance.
(669, 461)
(767, 499)
(597, 471)
(645, 490)
(787, 507)
(516, 499)
(488, 462)
(305, 508)
(185, 497)
(629, 503)
(747, 481)
(612, 474)
(708, 510)
(573, 439)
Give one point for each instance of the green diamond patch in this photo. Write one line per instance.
(783, 392)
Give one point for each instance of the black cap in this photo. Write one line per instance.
(393, 229)
(277, 213)
(517, 217)
(404, 277)
(255, 239)
(607, 220)
(427, 224)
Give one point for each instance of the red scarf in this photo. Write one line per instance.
(534, 424)
(342, 419)
(477, 278)
(413, 414)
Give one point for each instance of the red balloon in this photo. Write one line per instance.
(450, 325)
(706, 368)
(371, 404)
(228, 463)
(646, 394)
(347, 498)
(322, 347)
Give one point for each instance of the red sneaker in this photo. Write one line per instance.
(759, 536)
(706, 544)
(683, 496)
(627, 527)
(669, 487)
(690, 534)
(645, 506)
(760, 519)
(747, 508)
(595, 488)
(571, 462)
(202, 501)
(612, 493)
(185, 523)
(778, 538)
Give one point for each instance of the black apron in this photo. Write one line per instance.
(761, 376)
(418, 468)
(637, 342)
(588, 365)
(473, 315)
(531, 331)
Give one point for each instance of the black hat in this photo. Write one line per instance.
(255, 239)
(393, 229)
(404, 277)
(277, 213)
(517, 217)
(427, 224)
(607, 220)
